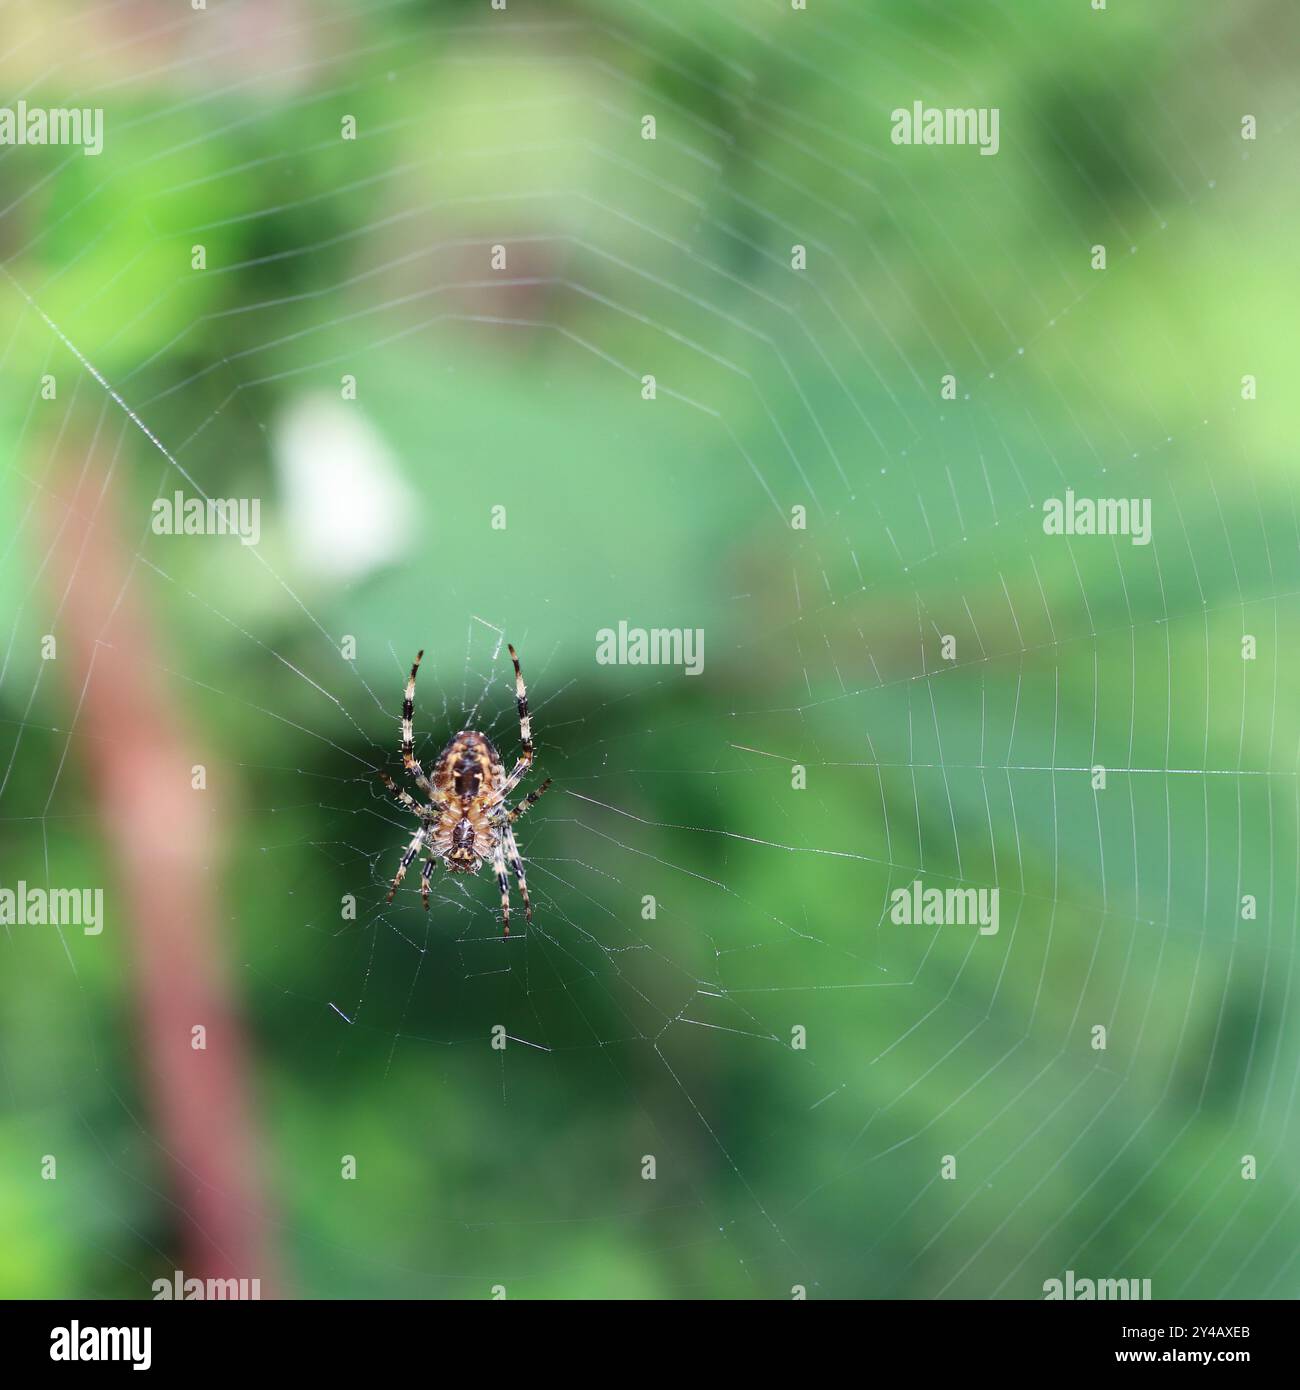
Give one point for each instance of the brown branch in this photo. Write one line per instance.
(165, 843)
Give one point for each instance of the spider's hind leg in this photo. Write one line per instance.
(517, 865)
(499, 864)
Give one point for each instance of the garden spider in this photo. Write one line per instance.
(466, 819)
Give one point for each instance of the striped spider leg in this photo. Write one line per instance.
(417, 841)
(408, 731)
(525, 735)
(506, 846)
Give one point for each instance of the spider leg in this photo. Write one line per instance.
(408, 732)
(404, 797)
(525, 734)
(528, 801)
(517, 865)
(426, 874)
(411, 851)
(499, 864)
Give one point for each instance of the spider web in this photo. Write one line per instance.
(711, 871)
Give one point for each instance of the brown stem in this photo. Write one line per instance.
(164, 842)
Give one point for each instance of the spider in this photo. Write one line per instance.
(466, 819)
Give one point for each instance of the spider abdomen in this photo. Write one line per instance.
(469, 767)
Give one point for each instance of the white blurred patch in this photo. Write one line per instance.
(347, 509)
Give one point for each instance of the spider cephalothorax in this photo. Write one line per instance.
(465, 820)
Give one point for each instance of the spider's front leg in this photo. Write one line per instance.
(530, 800)
(408, 859)
(404, 797)
(408, 731)
(525, 760)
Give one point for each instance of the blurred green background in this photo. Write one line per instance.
(328, 258)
